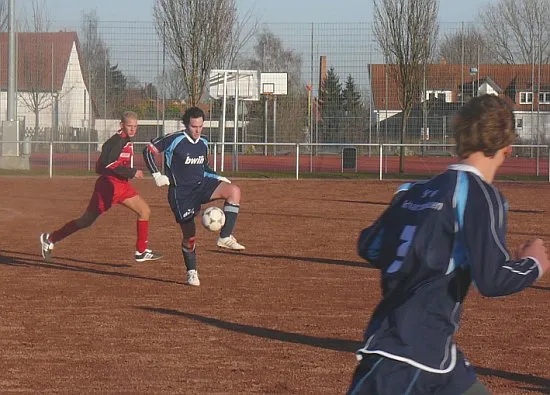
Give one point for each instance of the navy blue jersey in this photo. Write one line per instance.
(185, 159)
(433, 241)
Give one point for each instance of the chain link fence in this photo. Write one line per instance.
(74, 84)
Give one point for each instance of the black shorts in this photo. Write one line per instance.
(186, 202)
(377, 375)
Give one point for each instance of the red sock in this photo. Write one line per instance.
(142, 234)
(68, 229)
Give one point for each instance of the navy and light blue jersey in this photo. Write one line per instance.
(185, 159)
(433, 241)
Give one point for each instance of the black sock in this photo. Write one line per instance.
(231, 211)
(190, 258)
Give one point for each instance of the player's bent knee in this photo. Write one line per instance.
(234, 195)
(145, 211)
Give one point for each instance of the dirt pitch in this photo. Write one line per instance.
(285, 316)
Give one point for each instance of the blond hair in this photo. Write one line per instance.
(126, 115)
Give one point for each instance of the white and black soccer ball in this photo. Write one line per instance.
(213, 218)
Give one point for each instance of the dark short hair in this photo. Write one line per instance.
(192, 112)
(484, 124)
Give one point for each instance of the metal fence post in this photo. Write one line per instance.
(380, 164)
(51, 159)
(297, 161)
(215, 156)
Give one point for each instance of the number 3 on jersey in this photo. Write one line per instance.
(406, 238)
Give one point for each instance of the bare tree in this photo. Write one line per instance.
(243, 31)
(38, 18)
(37, 64)
(94, 60)
(106, 83)
(518, 30)
(406, 30)
(465, 46)
(3, 15)
(173, 84)
(270, 55)
(199, 36)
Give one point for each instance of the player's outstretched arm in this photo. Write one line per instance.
(209, 172)
(535, 249)
(495, 271)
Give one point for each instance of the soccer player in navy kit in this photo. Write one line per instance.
(192, 183)
(434, 240)
(112, 187)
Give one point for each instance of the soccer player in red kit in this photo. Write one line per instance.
(112, 187)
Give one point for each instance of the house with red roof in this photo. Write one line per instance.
(526, 87)
(51, 88)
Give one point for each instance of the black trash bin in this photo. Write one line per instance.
(349, 159)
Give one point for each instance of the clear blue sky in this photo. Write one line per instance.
(268, 11)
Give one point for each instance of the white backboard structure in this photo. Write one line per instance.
(247, 89)
(274, 83)
(237, 85)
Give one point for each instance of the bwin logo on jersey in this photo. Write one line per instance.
(194, 161)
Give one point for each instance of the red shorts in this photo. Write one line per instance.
(109, 191)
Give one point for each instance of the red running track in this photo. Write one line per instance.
(320, 163)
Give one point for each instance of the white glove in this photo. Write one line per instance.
(224, 179)
(160, 179)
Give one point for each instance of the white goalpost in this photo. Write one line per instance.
(236, 84)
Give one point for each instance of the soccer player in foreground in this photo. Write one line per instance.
(112, 187)
(192, 183)
(431, 243)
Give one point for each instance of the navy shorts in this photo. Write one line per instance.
(186, 202)
(377, 375)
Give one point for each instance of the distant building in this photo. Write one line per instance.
(526, 87)
(52, 92)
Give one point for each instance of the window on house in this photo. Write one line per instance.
(519, 122)
(526, 98)
(544, 97)
(437, 94)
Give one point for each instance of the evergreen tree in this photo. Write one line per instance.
(353, 109)
(351, 97)
(332, 109)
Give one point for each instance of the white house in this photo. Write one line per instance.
(51, 87)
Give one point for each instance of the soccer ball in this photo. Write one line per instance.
(213, 218)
